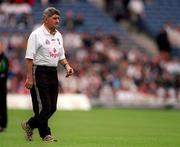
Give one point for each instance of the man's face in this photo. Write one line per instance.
(53, 21)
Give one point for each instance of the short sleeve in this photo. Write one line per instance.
(62, 55)
(31, 46)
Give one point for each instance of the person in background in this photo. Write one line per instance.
(3, 88)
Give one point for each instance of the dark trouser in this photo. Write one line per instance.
(44, 95)
(3, 102)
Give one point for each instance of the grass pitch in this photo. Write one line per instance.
(100, 128)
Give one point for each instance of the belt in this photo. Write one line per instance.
(45, 67)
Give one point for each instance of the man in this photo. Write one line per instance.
(44, 51)
(3, 88)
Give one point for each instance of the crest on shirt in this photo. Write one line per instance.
(54, 53)
(47, 41)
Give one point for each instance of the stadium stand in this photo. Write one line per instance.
(94, 20)
(160, 12)
(109, 68)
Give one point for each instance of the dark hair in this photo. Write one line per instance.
(50, 11)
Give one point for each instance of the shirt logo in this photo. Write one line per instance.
(54, 53)
(47, 41)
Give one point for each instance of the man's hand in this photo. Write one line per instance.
(69, 71)
(29, 83)
(29, 77)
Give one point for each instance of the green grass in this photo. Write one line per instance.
(101, 128)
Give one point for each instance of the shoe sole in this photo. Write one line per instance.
(55, 140)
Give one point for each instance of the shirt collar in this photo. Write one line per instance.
(46, 31)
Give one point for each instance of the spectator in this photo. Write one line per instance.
(69, 21)
(79, 20)
(136, 13)
(73, 21)
(163, 42)
(3, 88)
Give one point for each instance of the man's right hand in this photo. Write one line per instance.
(29, 83)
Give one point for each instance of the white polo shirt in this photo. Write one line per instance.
(44, 48)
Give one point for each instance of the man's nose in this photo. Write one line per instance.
(57, 20)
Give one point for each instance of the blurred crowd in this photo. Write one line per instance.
(131, 10)
(16, 14)
(107, 68)
(102, 67)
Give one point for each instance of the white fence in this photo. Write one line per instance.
(82, 102)
(65, 102)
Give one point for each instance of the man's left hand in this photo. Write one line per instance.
(69, 70)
